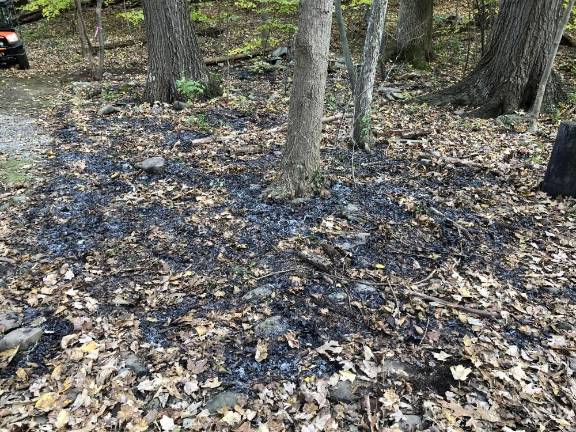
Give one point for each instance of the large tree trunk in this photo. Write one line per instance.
(173, 51)
(362, 127)
(506, 78)
(301, 158)
(414, 32)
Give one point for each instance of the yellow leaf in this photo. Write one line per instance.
(46, 402)
(348, 376)
(62, 419)
(261, 351)
(379, 266)
(201, 330)
(88, 347)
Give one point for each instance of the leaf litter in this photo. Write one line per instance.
(186, 300)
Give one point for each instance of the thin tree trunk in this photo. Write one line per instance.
(414, 32)
(535, 112)
(507, 76)
(101, 40)
(84, 39)
(345, 46)
(173, 51)
(301, 158)
(362, 129)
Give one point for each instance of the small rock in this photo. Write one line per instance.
(135, 364)
(260, 293)
(225, 399)
(279, 52)
(343, 392)
(397, 369)
(272, 327)
(572, 363)
(410, 423)
(361, 288)
(188, 423)
(108, 109)
(338, 296)
(179, 105)
(348, 243)
(25, 337)
(153, 165)
(8, 321)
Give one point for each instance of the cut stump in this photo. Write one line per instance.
(560, 178)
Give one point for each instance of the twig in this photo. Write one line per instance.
(274, 274)
(410, 293)
(425, 331)
(369, 413)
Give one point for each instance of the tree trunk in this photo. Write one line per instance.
(101, 40)
(414, 32)
(507, 76)
(345, 46)
(301, 158)
(362, 129)
(173, 51)
(84, 39)
(535, 112)
(560, 178)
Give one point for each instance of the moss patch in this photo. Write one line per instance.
(14, 171)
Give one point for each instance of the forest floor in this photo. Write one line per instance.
(187, 301)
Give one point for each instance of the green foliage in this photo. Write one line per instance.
(49, 8)
(191, 89)
(199, 121)
(134, 17)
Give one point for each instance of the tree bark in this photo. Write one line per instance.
(560, 178)
(301, 158)
(345, 46)
(99, 71)
(507, 76)
(362, 129)
(84, 39)
(414, 32)
(535, 112)
(173, 51)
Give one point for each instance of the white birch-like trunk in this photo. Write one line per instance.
(362, 129)
(537, 107)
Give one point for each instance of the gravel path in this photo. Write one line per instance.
(21, 100)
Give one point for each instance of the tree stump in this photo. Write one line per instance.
(560, 178)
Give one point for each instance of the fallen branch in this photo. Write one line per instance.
(433, 299)
(225, 138)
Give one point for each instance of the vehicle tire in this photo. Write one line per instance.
(23, 62)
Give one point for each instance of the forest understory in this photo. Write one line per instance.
(430, 286)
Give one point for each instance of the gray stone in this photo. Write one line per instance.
(361, 288)
(179, 105)
(260, 293)
(338, 296)
(8, 321)
(108, 109)
(349, 242)
(398, 369)
(410, 423)
(279, 52)
(343, 392)
(153, 165)
(136, 364)
(23, 337)
(188, 423)
(272, 327)
(225, 399)
(572, 363)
